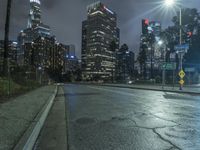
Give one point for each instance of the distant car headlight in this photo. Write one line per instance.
(130, 82)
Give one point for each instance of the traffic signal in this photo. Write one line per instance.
(189, 36)
(145, 24)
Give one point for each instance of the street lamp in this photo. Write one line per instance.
(169, 3)
(160, 43)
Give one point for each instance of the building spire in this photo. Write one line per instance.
(34, 18)
(36, 1)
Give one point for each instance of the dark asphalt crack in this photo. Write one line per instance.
(165, 119)
(155, 132)
(160, 136)
(171, 148)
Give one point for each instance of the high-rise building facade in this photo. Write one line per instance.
(72, 50)
(40, 53)
(155, 29)
(46, 53)
(34, 14)
(125, 65)
(98, 32)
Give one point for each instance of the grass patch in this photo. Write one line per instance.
(15, 88)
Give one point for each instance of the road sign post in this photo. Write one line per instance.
(181, 75)
(181, 49)
(181, 82)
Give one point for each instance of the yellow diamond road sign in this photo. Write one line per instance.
(181, 74)
(182, 82)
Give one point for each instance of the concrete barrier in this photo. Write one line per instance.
(30, 136)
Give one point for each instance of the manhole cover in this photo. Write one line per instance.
(85, 121)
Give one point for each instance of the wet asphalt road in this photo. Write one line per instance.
(107, 118)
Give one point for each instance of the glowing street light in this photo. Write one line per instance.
(160, 42)
(169, 3)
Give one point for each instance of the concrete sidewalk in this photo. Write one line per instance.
(54, 133)
(187, 89)
(17, 115)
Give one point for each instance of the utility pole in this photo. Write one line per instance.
(9, 78)
(6, 66)
(6, 38)
(163, 71)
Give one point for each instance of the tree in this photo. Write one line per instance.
(6, 38)
(151, 39)
(142, 58)
(190, 35)
(55, 73)
(124, 48)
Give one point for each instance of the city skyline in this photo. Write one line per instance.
(99, 74)
(68, 30)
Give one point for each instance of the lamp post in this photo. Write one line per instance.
(180, 42)
(6, 37)
(170, 3)
(40, 77)
(6, 66)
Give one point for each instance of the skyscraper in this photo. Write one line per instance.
(34, 30)
(98, 32)
(155, 29)
(34, 14)
(125, 64)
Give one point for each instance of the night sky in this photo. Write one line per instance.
(65, 17)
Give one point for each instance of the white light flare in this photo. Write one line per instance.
(169, 3)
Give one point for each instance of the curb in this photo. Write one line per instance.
(142, 88)
(67, 118)
(31, 134)
(161, 90)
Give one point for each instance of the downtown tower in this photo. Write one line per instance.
(99, 31)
